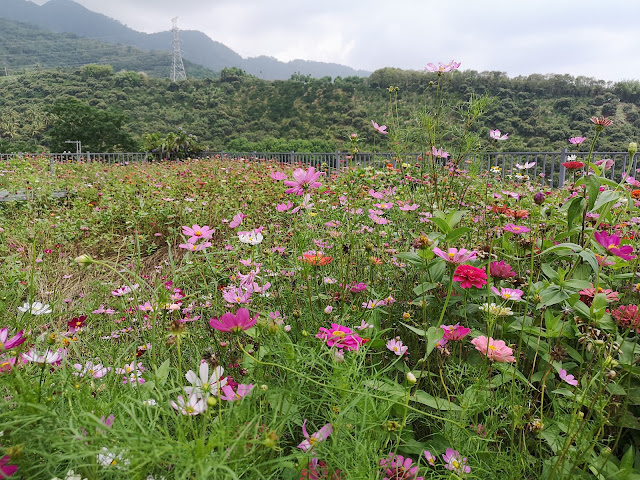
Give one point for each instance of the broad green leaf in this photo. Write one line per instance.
(608, 196)
(553, 295)
(411, 258)
(438, 403)
(162, 373)
(424, 287)
(416, 330)
(454, 235)
(441, 224)
(593, 188)
(434, 335)
(574, 213)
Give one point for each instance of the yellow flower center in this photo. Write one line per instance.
(198, 233)
(492, 347)
(339, 333)
(613, 245)
(455, 464)
(189, 409)
(506, 295)
(451, 255)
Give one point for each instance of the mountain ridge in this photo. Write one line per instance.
(67, 16)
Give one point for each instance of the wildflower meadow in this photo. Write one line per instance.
(232, 318)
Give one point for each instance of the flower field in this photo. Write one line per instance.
(231, 319)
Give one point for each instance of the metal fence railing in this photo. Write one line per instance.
(544, 168)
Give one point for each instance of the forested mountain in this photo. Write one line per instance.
(25, 47)
(240, 112)
(70, 17)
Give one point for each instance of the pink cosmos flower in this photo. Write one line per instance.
(311, 440)
(238, 295)
(397, 467)
(442, 68)
(91, 370)
(605, 163)
(570, 379)
(381, 129)
(230, 396)
(197, 232)
(612, 244)
(278, 176)
(234, 323)
(283, 207)
(439, 153)
(513, 294)
(7, 470)
(409, 208)
(340, 337)
(454, 332)
(193, 405)
(7, 343)
(470, 276)
(495, 350)
(453, 255)
(396, 346)
(501, 270)
(496, 135)
(7, 363)
(577, 140)
(48, 356)
(455, 462)
(237, 220)
(431, 460)
(303, 179)
(526, 166)
(515, 229)
(124, 290)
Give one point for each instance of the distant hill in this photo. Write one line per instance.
(24, 47)
(70, 17)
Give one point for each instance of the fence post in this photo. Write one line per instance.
(563, 159)
(292, 157)
(51, 163)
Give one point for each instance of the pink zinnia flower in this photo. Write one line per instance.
(381, 129)
(454, 332)
(501, 270)
(495, 350)
(455, 462)
(442, 68)
(496, 135)
(396, 346)
(230, 396)
(453, 255)
(311, 440)
(234, 323)
(470, 276)
(303, 179)
(577, 140)
(340, 337)
(397, 467)
(588, 294)
(7, 343)
(193, 405)
(514, 294)
(612, 244)
(627, 317)
(515, 229)
(198, 232)
(570, 379)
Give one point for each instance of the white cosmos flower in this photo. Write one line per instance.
(49, 356)
(251, 238)
(35, 308)
(205, 385)
(111, 459)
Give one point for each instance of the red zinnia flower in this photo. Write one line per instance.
(573, 165)
(470, 276)
(602, 121)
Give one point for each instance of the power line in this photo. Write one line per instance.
(178, 72)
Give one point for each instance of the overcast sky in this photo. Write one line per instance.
(598, 39)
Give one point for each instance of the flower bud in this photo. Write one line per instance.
(328, 309)
(633, 149)
(538, 198)
(611, 374)
(212, 401)
(411, 378)
(84, 260)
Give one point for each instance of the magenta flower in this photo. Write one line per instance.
(7, 343)
(283, 207)
(381, 129)
(193, 405)
(612, 244)
(470, 276)
(577, 140)
(514, 294)
(396, 346)
(455, 462)
(7, 470)
(570, 379)
(495, 350)
(397, 467)
(454, 332)
(234, 323)
(496, 135)
(197, 232)
(501, 270)
(319, 436)
(453, 255)
(515, 229)
(340, 337)
(303, 180)
(442, 68)
(230, 396)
